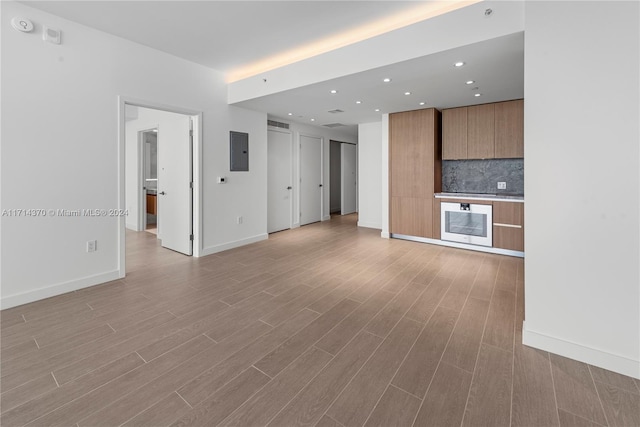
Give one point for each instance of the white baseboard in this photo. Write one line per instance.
(369, 224)
(57, 289)
(209, 250)
(592, 356)
(385, 234)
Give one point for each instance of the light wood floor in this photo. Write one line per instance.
(326, 325)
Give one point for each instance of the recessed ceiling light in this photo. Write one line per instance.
(358, 102)
(290, 114)
(478, 94)
(422, 103)
(470, 82)
(458, 64)
(377, 109)
(386, 80)
(334, 91)
(313, 120)
(407, 93)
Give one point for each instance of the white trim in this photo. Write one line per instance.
(369, 225)
(385, 235)
(477, 248)
(209, 250)
(326, 218)
(592, 356)
(58, 289)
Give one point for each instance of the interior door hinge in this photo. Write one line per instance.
(191, 237)
(191, 133)
(191, 184)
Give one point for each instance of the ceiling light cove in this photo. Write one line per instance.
(421, 12)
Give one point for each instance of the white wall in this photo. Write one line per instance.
(582, 184)
(370, 175)
(384, 146)
(61, 102)
(147, 119)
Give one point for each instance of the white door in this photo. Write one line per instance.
(310, 179)
(174, 184)
(348, 178)
(279, 188)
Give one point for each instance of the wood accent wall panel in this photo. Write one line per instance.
(454, 133)
(411, 216)
(480, 131)
(509, 129)
(414, 171)
(409, 143)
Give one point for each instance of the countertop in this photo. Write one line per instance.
(505, 197)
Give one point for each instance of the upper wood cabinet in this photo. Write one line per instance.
(509, 131)
(487, 131)
(480, 131)
(454, 131)
(414, 171)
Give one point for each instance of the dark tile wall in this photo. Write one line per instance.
(482, 176)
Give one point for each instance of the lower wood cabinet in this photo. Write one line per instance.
(508, 225)
(151, 204)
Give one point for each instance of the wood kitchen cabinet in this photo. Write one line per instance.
(481, 131)
(509, 129)
(454, 133)
(414, 171)
(508, 225)
(487, 131)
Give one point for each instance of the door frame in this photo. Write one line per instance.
(291, 154)
(196, 160)
(342, 178)
(142, 199)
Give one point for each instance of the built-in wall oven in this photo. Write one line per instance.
(466, 223)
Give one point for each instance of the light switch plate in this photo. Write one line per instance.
(502, 186)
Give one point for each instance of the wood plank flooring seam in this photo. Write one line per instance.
(346, 386)
(598, 394)
(478, 354)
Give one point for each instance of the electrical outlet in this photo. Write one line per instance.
(502, 185)
(92, 245)
(239, 220)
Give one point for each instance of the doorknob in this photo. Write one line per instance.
(289, 187)
(162, 193)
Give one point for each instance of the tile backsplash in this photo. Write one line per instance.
(482, 176)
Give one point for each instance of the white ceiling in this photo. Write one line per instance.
(227, 35)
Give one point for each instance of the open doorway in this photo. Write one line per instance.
(149, 140)
(343, 178)
(160, 176)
